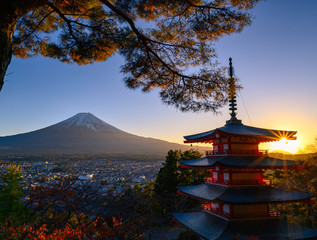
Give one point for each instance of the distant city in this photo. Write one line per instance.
(113, 175)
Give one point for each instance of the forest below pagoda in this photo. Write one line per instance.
(64, 211)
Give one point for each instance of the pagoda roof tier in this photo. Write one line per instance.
(262, 134)
(242, 195)
(257, 161)
(211, 227)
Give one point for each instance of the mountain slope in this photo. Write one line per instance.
(83, 133)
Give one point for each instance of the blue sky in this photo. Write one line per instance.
(275, 59)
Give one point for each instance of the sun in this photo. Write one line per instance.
(290, 146)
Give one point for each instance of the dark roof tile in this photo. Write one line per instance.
(257, 194)
(211, 227)
(262, 161)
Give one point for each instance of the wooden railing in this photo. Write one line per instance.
(240, 151)
(245, 215)
(274, 213)
(260, 181)
(216, 211)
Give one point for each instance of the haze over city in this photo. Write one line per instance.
(274, 58)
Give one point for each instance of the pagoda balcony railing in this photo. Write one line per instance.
(260, 181)
(274, 213)
(240, 151)
(245, 215)
(217, 211)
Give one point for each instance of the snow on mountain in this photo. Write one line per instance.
(86, 121)
(83, 133)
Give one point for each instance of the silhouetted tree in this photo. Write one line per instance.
(300, 180)
(172, 175)
(312, 148)
(166, 180)
(12, 210)
(159, 40)
(188, 176)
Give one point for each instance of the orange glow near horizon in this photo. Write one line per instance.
(291, 146)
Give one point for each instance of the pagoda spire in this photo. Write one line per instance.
(232, 96)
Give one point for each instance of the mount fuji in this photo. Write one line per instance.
(83, 134)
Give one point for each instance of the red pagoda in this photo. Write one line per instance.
(236, 198)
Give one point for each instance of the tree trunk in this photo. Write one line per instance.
(9, 15)
(10, 12)
(6, 32)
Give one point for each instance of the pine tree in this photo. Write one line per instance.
(172, 175)
(166, 180)
(188, 177)
(160, 41)
(12, 210)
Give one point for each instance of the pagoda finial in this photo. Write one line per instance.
(230, 68)
(232, 96)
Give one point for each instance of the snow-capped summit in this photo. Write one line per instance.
(86, 121)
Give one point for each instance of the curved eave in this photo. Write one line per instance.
(211, 227)
(240, 161)
(242, 195)
(262, 134)
(200, 135)
(200, 140)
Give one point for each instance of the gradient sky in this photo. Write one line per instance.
(275, 59)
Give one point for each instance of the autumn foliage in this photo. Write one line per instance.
(62, 211)
(98, 229)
